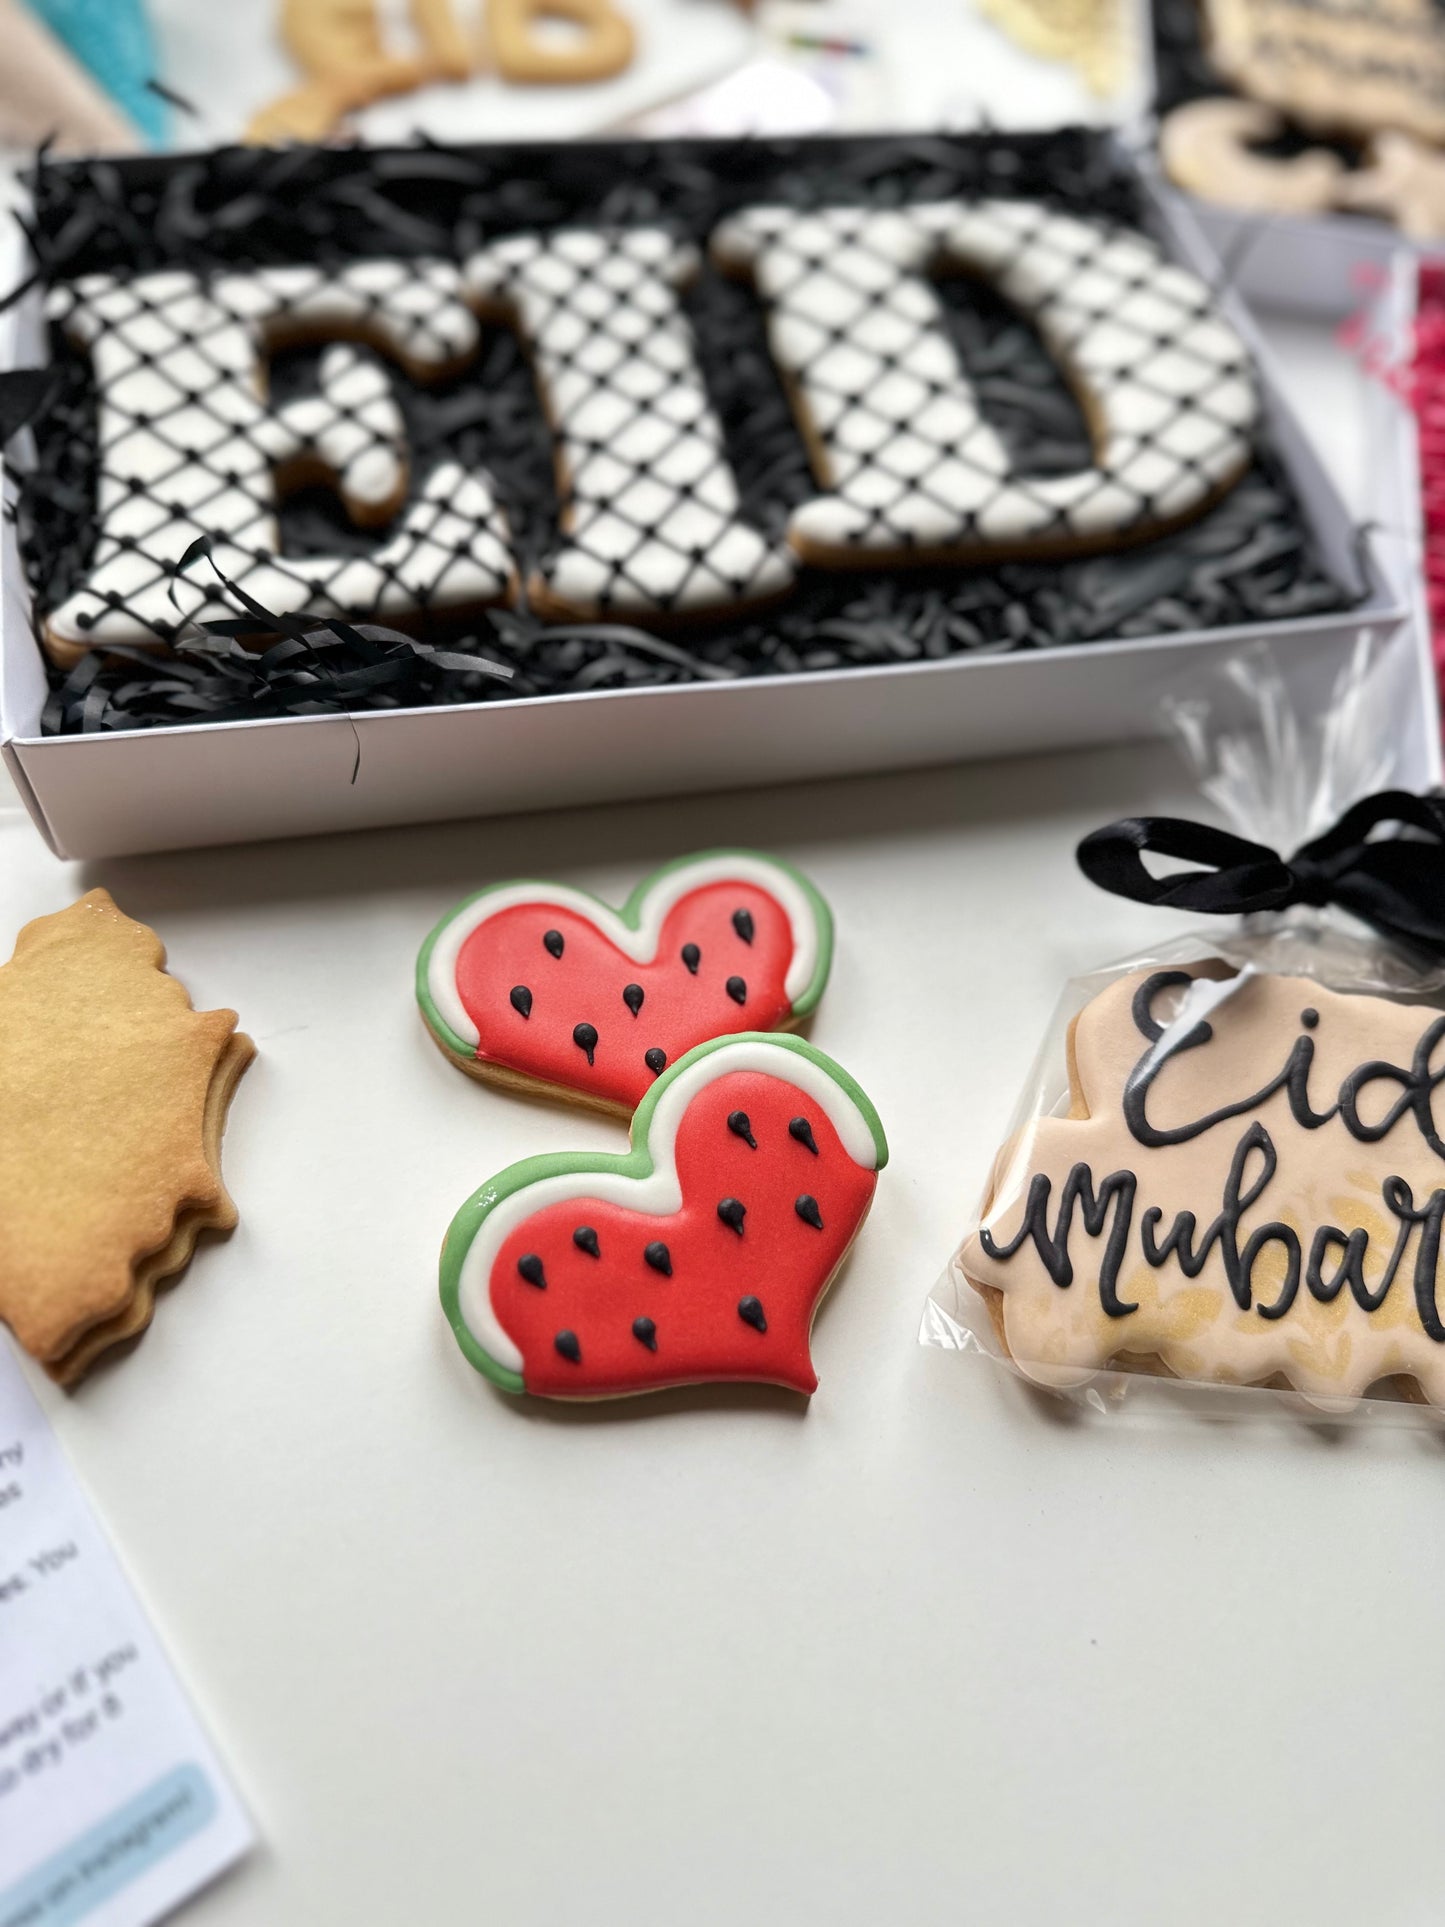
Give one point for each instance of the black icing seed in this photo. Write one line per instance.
(585, 1239)
(691, 956)
(737, 990)
(530, 1267)
(584, 1036)
(807, 1209)
(1309, 1017)
(554, 943)
(659, 1257)
(521, 1000)
(802, 1130)
(743, 924)
(751, 1312)
(566, 1343)
(645, 1331)
(740, 1125)
(632, 996)
(655, 1060)
(732, 1213)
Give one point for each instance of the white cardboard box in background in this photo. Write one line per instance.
(131, 791)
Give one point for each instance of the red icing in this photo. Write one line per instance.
(585, 985)
(778, 1259)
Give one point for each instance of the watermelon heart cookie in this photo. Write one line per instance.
(701, 1255)
(546, 988)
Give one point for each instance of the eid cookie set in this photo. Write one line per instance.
(817, 406)
(703, 1253)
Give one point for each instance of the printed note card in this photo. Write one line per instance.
(113, 1807)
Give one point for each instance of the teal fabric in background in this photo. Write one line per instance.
(112, 39)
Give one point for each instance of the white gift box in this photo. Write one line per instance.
(130, 791)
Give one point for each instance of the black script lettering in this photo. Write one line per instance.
(1224, 1231)
(1417, 1093)
(1293, 1077)
(1350, 1270)
(1116, 1193)
(1288, 1239)
(1401, 1200)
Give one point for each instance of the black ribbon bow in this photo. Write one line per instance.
(1396, 884)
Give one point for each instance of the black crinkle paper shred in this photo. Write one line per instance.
(1249, 560)
(333, 668)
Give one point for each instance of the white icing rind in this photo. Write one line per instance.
(908, 459)
(639, 944)
(660, 1195)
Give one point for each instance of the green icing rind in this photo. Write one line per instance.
(631, 915)
(435, 1022)
(636, 1163)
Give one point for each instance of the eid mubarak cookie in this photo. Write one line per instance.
(113, 1100)
(544, 988)
(1248, 1188)
(700, 1256)
(1335, 65)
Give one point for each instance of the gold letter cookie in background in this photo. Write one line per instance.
(913, 472)
(113, 1098)
(1248, 1188)
(524, 57)
(1350, 69)
(339, 46)
(190, 447)
(1088, 34)
(1208, 148)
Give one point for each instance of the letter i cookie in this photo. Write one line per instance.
(543, 988)
(700, 1256)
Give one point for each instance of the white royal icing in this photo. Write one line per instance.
(352, 426)
(908, 460)
(188, 444)
(660, 1195)
(651, 515)
(639, 944)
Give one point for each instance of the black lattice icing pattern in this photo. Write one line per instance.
(627, 414)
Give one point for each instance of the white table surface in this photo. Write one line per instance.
(924, 1652)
